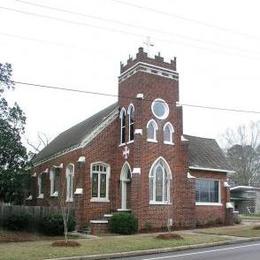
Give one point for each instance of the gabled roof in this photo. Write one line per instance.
(75, 136)
(205, 153)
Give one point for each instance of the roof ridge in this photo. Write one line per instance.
(208, 138)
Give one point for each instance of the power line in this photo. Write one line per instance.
(124, 32)
(135, 26)
(59, 44)
(128, 97)
(177, 16)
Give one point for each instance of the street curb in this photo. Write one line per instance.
(155, 251)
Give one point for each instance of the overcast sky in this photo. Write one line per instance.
(216, 44)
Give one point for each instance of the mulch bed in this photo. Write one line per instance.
(6, 237)
(169, 236)
(256, 227)
(70, 243)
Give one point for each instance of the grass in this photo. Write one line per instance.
(107, 244)
(238, 230)
(250, 217)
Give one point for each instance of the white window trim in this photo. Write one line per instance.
(130, 108)
(152, 202)
(219, 203)
(171, 135)
(170, 143)
(167, 110)
(99, 199)
(41, 196)
(152, 141)
(69, 199)
(40, 193)
(53, 193)
(122, 113)
(155, 129)
(208, 204)
(166, 201)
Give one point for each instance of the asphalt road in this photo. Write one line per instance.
(244, 251)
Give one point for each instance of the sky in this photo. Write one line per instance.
(216, 44)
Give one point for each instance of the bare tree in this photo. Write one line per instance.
(42, 142)
(63, 187)
(243, 153)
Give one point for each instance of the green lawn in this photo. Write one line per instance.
(106, 244)
(250, 217)
(238, 230)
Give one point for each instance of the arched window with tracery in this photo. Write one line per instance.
(159, 182)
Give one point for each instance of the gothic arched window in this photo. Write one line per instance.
(168, 131)
(130, 112)
(122, 126)
(152, 128)
(159, 182)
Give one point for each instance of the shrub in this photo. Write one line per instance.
(123, 223)
(237, 219)
(53, 225)
(18, 222)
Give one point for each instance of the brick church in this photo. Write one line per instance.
(133, 156)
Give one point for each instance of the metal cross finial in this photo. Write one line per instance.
(148, 43)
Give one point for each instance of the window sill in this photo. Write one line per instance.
(120, 145)
(123, 210)
(152, 141)
(159, 203)
(170, 143)
(209, 204)
(99, 200)
(55, 194)
(41, 196)
(129, 142)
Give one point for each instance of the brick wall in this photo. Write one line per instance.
(211, 214)
(105, 147)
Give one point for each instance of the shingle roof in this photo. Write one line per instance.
(202, 152)
(73, 137)
(206, 153)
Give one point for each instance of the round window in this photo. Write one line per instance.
(160, 108)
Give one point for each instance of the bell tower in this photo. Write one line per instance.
(150, 88)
